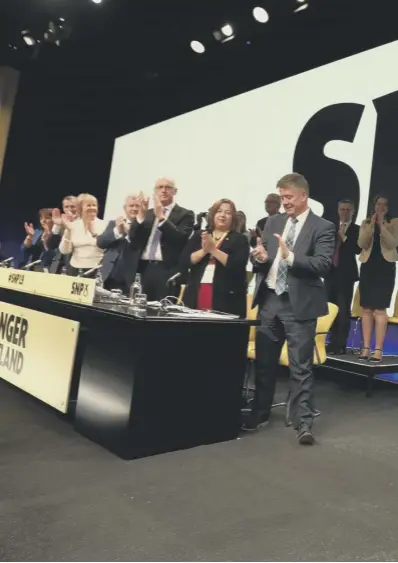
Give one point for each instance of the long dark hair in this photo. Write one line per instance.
(387, 216)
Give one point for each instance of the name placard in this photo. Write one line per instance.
(66, 288)
(37, 353)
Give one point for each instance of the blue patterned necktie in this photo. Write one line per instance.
(157, 235)
(281, 275)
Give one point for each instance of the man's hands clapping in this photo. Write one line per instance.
(143, 203)
(259, 252)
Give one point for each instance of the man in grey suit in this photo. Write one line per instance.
(295, 252)
(120, 262)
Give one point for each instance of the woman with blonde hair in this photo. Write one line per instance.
(80, 236)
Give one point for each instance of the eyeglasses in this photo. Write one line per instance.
(165, 187)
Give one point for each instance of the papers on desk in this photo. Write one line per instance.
(184, 312)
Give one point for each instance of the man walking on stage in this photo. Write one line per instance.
(295, 252)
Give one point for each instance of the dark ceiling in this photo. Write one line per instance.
(128, 64)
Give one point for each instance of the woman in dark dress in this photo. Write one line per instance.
(378, 239)
(216, 262)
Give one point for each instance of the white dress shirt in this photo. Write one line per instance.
(272, 274)
(346, 225)
(156, 224)
(82, 245)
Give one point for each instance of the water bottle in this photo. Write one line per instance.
(135, 288)
(99, 282)
(80, 272)
(64, 271)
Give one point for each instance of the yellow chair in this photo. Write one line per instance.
(323, 326)
(356, 314)
(394, 318)
(251, 314)
(181, 295)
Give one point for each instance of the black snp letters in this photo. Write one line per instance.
(13, 332)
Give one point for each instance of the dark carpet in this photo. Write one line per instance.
(259, 498)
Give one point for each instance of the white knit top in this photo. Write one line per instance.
(82, 245)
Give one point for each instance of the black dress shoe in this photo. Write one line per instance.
(254, 422)
(305, 436)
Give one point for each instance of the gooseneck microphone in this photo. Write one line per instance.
(29, 266)
(173, 279)
(85, 274)
(7, 261)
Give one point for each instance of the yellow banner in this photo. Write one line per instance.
(66, 288)
(37, 353)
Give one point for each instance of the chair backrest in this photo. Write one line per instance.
(323, 326)
(357, 311)
(251, 315)
(396, 306)
(180, 298)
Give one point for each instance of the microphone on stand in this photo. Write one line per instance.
(6, 262)
(173, 279)
(29, 266)
(97, 267)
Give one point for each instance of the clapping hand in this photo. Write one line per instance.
(208, 243)
(158, 209)
(66, 222)
(121, 225)
(29, 228)
(143, 203)
(380, 218)
(259, 251)
(341, 232)
(282, 247)
(56, 217)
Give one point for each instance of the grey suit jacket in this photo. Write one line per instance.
(313, 253)
(113, 247)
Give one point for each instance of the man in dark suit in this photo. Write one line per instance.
(343, 275)
(120, 262)
(295, 252)
(272, 207)
(160, 235)
(53, 241)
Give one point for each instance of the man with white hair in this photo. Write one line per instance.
(160, 235)
(120, 261)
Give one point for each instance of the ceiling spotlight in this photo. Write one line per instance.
(227, 30)
(28, 38)
(97, 1)
(303, 5)
(58, 30)
(198, 47)
(260, 14)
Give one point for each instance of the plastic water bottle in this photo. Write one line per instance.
(99, 282)
(136, 287)
(63, 271)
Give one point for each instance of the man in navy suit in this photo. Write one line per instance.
(343, 275)
(120, 262)
(293, 256)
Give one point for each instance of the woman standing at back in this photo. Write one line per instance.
(378, 239)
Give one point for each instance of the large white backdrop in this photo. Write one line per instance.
(240, 147)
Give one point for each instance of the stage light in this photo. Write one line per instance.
(303, 5)
(227, 30)
(198, 47)
(28, 38)
(260, 14)
(97, 1)
(58, 30)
